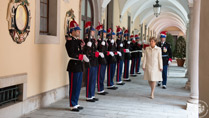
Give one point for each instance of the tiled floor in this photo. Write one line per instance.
(129, 101)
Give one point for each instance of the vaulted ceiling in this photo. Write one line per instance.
(173, 13)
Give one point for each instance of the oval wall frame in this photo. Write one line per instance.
(19, 18)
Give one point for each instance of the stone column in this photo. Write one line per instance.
(188, 50)
(145, 33)
(192, 103)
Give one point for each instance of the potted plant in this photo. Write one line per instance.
(180, 52)
(170, 40)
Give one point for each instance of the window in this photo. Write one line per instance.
(129, 25)
(86, 14)
(47, 22)
(48, 17)
(110, 14)
(44, 16)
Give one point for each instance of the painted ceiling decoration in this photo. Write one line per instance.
(19, 18)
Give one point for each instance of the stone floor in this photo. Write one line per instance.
(129, 101)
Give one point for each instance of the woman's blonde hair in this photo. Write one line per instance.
(153, 38)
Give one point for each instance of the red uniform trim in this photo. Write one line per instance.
(118, 71)
(71, 88)
(132, 66)
(98, 76)
(87, 86)
(125, 69)
(109, 75)
(137, 64)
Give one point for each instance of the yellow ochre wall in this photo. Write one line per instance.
(44, 63)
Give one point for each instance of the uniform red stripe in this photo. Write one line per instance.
(71, 88)
(132, 66)
(109, 76)
(137, 64)
(118, 71)
(98, 76)
(87, 90)
(125, 68)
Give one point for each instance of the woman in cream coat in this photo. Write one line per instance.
(152, 65)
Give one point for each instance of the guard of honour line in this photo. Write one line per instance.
(95, 57)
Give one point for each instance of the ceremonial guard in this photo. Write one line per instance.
(102, 48)
(127, 56)
(167, 57)
(120, 56)
(139, 53)
(75, 66)
(133, 49)
(111, 59)
(90, 49)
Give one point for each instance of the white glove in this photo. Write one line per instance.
(111, 53)
(103, 43)
(89, 44)
(169, 62)
(129, 42)
(112, 41)
(85, 58)
(127, 50)
(119, 53)
(121, 45)
(101, 55)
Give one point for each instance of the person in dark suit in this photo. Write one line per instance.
(90, 49)
(139, 54)
(102, 48)
(75, 65)
(120, 56)
(111, 60)
(127, 56)
(167, 58)
(134, 52)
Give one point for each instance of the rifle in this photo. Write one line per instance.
(111, 31)
(89, 33)
(121, 38)
(87, 65)
(102, 38)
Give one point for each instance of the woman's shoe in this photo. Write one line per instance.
(152, 96)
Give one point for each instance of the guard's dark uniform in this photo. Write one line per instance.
(75, 69)
(75, 66)
(90, 49)
(102, 48)
(120, 61)
(127, 57)
(111, 60)
(166, 55)
(138, 57)
(133, 50)
(91, 72)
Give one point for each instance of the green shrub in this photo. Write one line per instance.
(180, 51)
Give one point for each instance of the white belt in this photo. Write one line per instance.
(75, 59)
(136, 51)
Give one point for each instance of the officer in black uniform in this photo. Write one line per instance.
(127, 56)
(120, 56)
(90, 49)
(139, 53)
(133, 49)
(102, 48)
(167, 58)
(111, 60)
(75, 66)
